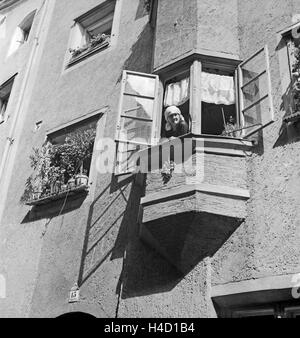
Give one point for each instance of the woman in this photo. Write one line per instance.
(175, 122)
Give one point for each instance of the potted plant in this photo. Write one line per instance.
(81, 178)
(60, 167)
(296, 80)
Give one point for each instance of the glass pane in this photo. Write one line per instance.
(138, 107)
(126, 159)
(140, 85)
(254, 67)
(257, 116)
(255, 90)
(135, 130)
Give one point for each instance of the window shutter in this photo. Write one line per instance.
(256, 103)
(135, 128)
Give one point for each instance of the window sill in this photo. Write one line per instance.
(82, 189)
(88, 53)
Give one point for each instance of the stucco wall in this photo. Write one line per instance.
(195, 25)
(43, 252)
(268, 242)
(15, 63)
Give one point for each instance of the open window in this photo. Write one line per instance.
(137, 118)
(22, 32)
(177, 92)
(221, 97)
(256, 103)
(273, 310)
(92, 31)
(291, 58)
(5, 92)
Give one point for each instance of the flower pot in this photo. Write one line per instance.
(55, 187)
(71, 183)
(81, 179)
(36, 195)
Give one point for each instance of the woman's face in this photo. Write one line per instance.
(174, 119)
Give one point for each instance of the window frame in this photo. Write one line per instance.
(5, 100)
(154, 120)
(195, 65)
(80, 32)
(22, 33)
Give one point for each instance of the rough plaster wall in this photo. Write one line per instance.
(50, 259)
(218, 26)
(268, 242)
(16, 62)
(184, 26)
(176, 30)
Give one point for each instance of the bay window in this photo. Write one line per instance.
(220, 97)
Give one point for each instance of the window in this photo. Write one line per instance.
(92, 31)
(5, 91)
(74, 147)
(291, 38)
(135, 130)
(22, 32)
(275, 310)
(216, 97)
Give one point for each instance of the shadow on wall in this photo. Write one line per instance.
(143, 9)
(184, 240)
(110, 216)
(54, 208)
(140, 59)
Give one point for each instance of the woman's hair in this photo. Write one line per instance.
(168, 111)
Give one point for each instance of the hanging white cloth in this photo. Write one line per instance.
(177, 93)
(217, 89)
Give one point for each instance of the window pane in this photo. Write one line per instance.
(253, 67)
(255, 90)
(135, 130)
(258, 115)
(138, 107)
(125, 161)
(140, 85)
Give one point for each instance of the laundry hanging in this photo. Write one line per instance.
(217, 89)
(177, 93)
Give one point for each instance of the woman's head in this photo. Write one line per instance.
(173, 117)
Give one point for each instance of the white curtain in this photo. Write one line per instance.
(217, 89)
(177, 93)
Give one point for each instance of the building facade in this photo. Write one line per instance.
(145, 232)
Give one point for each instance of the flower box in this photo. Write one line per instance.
(82, 189)
(94, 46)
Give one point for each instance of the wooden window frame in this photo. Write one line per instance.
(195, 66)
